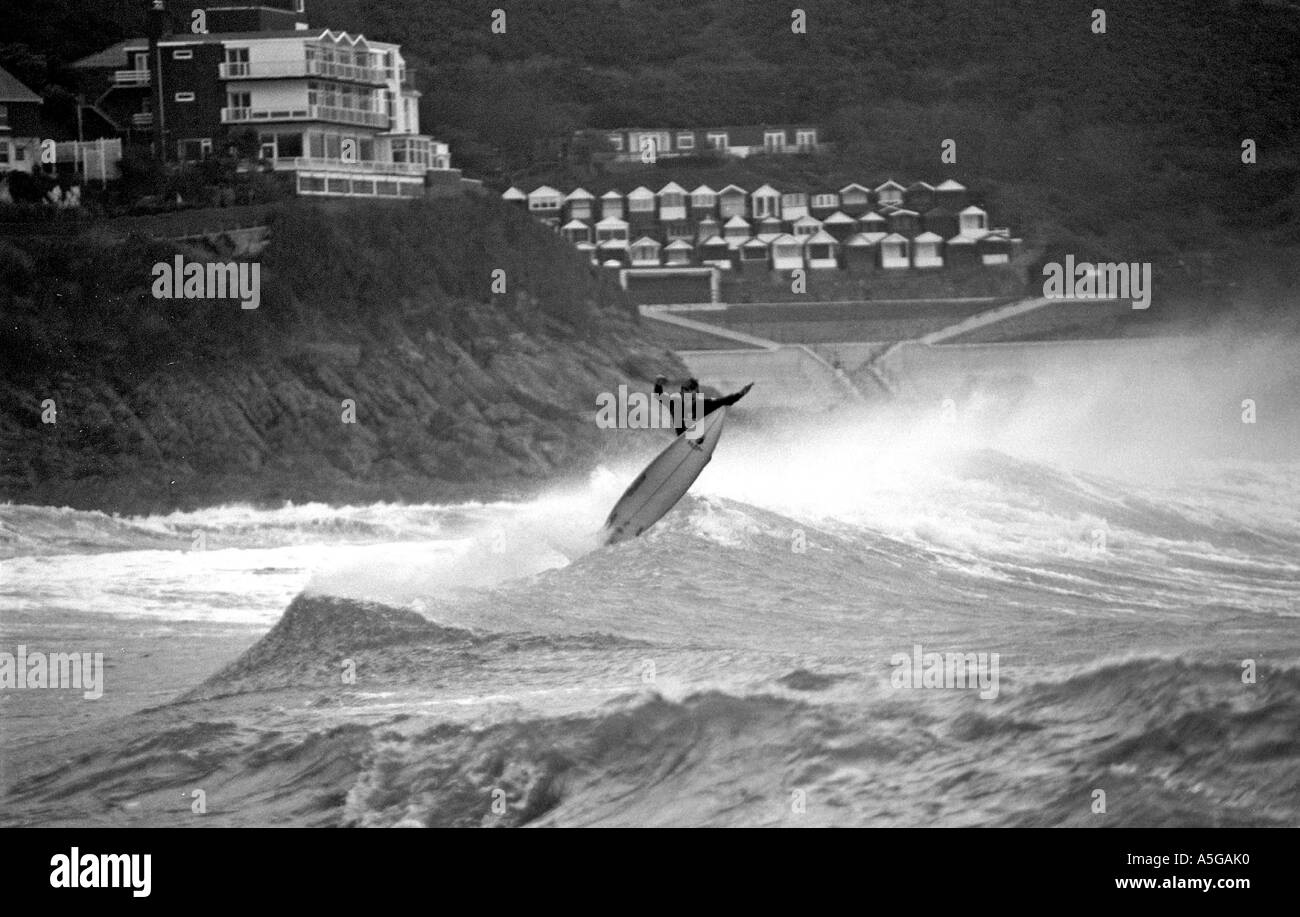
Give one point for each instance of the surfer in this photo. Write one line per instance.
(691, 392)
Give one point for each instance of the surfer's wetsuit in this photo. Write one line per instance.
(710, 404)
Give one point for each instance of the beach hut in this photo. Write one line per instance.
(859, 253)
(805, 227)
(612, 254)
(612, 230)
(895, 252)
(641, 203)
(678, 252)
(611, 205)
(973, 221)
(707, 229)
(736, 231)
(855, 199)
(580, 204)
(733, 201)
(544, 202)
(753, 257)
(994, 248)
(873, 222)
(950, 194)
(644, 252)
(891, 192)
(514, 196)
(919, 196)
(961, 251)
(840, 225)
(771, 227)
(576, 231)
(765, 202)
(823, 204)
(822, 251)
(672, 202)
(927, 250)
(704, 203)
(905, 222)
(715, 252)
(794, 205)
(786, 253)
(940, 220)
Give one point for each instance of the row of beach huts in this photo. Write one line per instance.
(890, 227)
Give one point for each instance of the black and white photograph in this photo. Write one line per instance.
(651, 414)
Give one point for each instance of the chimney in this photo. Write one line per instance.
(158, 22)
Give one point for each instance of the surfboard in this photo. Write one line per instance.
(664, 481)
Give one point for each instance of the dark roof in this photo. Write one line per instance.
(114, 56)
(13, 91)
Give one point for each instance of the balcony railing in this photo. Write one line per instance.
(338, 165)
(306, 113)
(142, 119)
(130, 77)
(260, 70)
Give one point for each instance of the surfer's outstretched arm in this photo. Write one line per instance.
(712, 404)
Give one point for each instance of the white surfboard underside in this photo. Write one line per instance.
(664, 481)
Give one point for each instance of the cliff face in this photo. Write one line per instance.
(384, 315)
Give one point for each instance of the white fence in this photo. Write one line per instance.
(97, 160)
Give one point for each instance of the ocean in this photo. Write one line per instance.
(856, 618)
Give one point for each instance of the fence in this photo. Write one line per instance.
(95, 159)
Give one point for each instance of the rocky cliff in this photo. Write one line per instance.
(422, 351)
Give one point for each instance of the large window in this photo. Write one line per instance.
(774, 141)
(806, 140)
(415, 150)
(237, 61)
(718, 141)
(685, 141)
(289, 146)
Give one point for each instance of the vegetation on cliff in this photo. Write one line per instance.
(457, 389)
